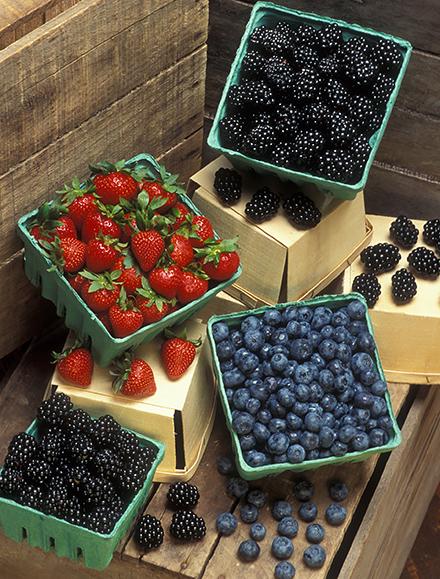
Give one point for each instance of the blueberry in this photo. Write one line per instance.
(378, 408)
(326, 379)
(344, 353)
(361, 362)
(282, 548)
(338, 448)
(302, 392)
(363, 400)
(372, 423)
(272, 383)
(237, 487)
(316, 408)
(293, 436)
(279, 362)
(261, 433)
(258, 389)
(335, 514)
(255, 458)
(314, 556)
(243, 423)
(277, 443)
(267, 331)
(362, 415)
(356, 310)
(236, 338)
(253, 406)
(340, 410)
(328, 402)
(265, 351)
(309, 440)
(349, 419)
(378, 388)
(240, 398)
(264, 416)
(247, 362)
(365, 342)
(257, 374)
(340, 318)
(233, 378)
(225, 466)
(248, 550)
(312, 454)
(301, 349)
(280, 337)
(296, 454)
(275, 408)
(248, 442)
(267, 369)
(281, 509)
(327, 437)
(303, 490)
(284, 570)
(301, 408)
(325, 453)
(279, 458)
(290, 313)
(343, 381)
(220, 332)
(279, 349)
(327, 349)
(293, 329)
(321, 318)
(369, 377)
(229, 394)
(226, 524)
(248, 513)
(304, 314)
(289, 370)
(304, 374)
(315, 339)
(288, 527)
(337, 490)
(346, 395)
(251, 323)
(253, 340)
(272, 317)
(293, 421)
(347, 433)
(327, 332)
(308, 512)
(356, 328)
(386, 423)
(304, 329)
(340, 334)
(257, 532)
(227, 365)
(318, 361)
(336, 367)
(315, 533)
(360, 442)
(377, 437)
(257, 498)
(225, 350)
(328, 419)
(285, 397)
(313, 422)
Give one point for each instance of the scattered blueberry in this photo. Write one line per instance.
(248, 513)
(257, 531)
(308, 512)
(225, 466)
(248, 550)
(281, 509)
(284, 570)
(257, 498)
(314, 533)
(314, 556)
(237, 487)
(226, 524)
(288, 527)
(335, 514)
(282, 548)
(337, 490)
(303, 490)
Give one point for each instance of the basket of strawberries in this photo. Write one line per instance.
(125, 254)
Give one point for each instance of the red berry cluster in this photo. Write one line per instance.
(131, 247)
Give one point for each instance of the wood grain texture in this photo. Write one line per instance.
(29, 315)
(59, 100)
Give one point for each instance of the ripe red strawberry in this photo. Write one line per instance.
(180, 212)
(130, 279)
(180, 250)
(125, 317)
(156, 190)
(113, 182)
(95, 223)
(191, 287)
(129, 227)
(133, 377)
(63, 228)
(73, 254)
(119, 263)
(147, 247)
(165, 280)
(79, 200)
(177, 354)
(75, 365)
(152, 306)
(102, 253)
(203, 230)
(219, 259)
(100, 291)
(76, 281)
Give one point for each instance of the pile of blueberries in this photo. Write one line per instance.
(302, 384)
(287, 526)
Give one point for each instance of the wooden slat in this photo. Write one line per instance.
(57, 8)
(23, 312)
(58, 100)
(144, 120)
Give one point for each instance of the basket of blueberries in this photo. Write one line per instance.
(302, 385)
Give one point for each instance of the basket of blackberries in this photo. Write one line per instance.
(73, 484)
(308, 98)
(302, 385)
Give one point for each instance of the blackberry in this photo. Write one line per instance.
(336, 165)
(283, 154)
(340, 131)
(149, 532)
(352, 50)
(302, 211)
(431, 232)
(424, 262)
(145, 456)
(10, 481)
(263, 205)
(73, 512)
(373, 124)
(380, 257)
(56, 502)
(22, 448)
(78, 421)
(369, 286)
(52, 445)
(182, 495)
(257, 36)
(306, 86)
(306, 35)
(285, 28)
(330, 38)
(54, 410)
(404, 232)
(285, 120)
(252, 65)
(232, 130)
(37, 471)
(362, 73)
(101, 520)
(360, 149)
(381, 90)
(76, 476)
(96, 491)
(362, 112)
(337, 95)
(280, 76)
(227, 184)
(276, 42)
(105, 431)
(307, 145)
(302, 56)
(127, 445)
(313, 115)
(106, 463)
(81, 449)
(31, 496)
(130, 479)
(187, 526)
(386, 54)
(259, 141)
(329, 66)
(403, 285)
(260, 118)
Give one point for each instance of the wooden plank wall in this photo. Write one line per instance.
(406, 175)
(106, 79)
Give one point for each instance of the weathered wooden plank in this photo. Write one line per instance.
(143, 120)
(408, 482)
(60, 6)
(23, 313)
(109, 70)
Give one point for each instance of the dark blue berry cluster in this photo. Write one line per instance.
(302, 384)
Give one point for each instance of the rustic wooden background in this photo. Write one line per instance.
(406, 174)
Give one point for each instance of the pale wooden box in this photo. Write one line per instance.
(282, 263)
(408, 335)
(180, 414)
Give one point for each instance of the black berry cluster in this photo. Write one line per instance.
(78, 469)
(227, 184)
(263, 205)
(424, 262)
(309, 100)
(380, 258)
(404, 232)
(403, 285)
(369, 286)
(302, 211)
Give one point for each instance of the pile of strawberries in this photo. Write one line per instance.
(130, 247)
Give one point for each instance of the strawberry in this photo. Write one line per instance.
(219, 259)
(75, 365)
(165, 280)
(191, 287)
(125, 317)
(100, 221)
(131, 280)
(102, 253)
(119, 263)
(129, 226)
(76, 281)
(202, 229)
(177, 354)
(79, 200)
(147, 247)
(180, 250)
(156, 190)
(103, 317)
(113, 182)
(152, 306)
(133, 377)
(67, 255)
(100, 291)
(180, 212)
(50, 223)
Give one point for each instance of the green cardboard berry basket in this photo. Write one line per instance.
(77, 315)
(94, 550)
(252, 473)
(268, 13)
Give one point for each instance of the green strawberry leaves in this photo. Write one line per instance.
(213, 249)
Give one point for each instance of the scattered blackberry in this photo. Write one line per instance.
(101, 520)
(340, 131)
(369, 286)
(232, 130)
(380, 257)
(306, 35)
(37, 471)
(183, 495)
(386, 54)
(52, 445)
(257, 37)
(329, 66)
(404, 286)
(22, 448)
(381, 90)
(424, 262)
(404, 232)
(362, 73)
(431, 232)
(302, 211)
(263, 205)
(10, 481)
(337, 95)
(149, 532)
(306, 146)
(283, 154)
(105, 431)
(81, 448)
(352, 50)
(307, 85)
(302, 56)
(259, 141)
(54, 410)
(285, 121)
(330, 38)
(107, 463)
(227, 184)
(78, 421)
(276, 42)
(336, 165)
(187, 526)
(252, 65)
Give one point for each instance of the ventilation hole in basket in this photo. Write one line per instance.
(51, 542)
(79, 553)
(24, 533)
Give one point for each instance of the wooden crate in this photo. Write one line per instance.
(276, 256)
(408, 335)
(88, 85)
